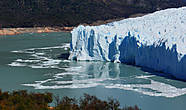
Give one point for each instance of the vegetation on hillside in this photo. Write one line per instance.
(22, 100)
(29, 13)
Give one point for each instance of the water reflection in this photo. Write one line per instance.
(107, 75)
(80, 75)
(69, 74)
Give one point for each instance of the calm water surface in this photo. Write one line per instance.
(30, 61)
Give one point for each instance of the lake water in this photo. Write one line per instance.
(30, 61)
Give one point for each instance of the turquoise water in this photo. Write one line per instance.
(30, 61)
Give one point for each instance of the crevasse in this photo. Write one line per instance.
(156, 41)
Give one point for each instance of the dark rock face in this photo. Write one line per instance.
(29, 13)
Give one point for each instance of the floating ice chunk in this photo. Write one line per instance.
(17, 64)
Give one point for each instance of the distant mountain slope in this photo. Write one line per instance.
(29, 13)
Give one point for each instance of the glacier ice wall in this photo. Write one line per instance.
(156, 41)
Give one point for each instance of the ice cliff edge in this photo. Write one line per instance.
(156, 41)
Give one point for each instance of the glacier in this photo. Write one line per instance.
(156, 41)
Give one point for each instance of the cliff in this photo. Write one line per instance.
(156, 41)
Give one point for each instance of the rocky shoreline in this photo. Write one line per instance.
(15, 31)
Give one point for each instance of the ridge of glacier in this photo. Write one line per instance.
(156, 41)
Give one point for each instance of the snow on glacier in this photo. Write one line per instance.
(156, 41)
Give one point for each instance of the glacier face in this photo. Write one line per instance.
(156, 41)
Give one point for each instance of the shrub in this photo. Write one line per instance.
(22, 100)
(90, 103)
